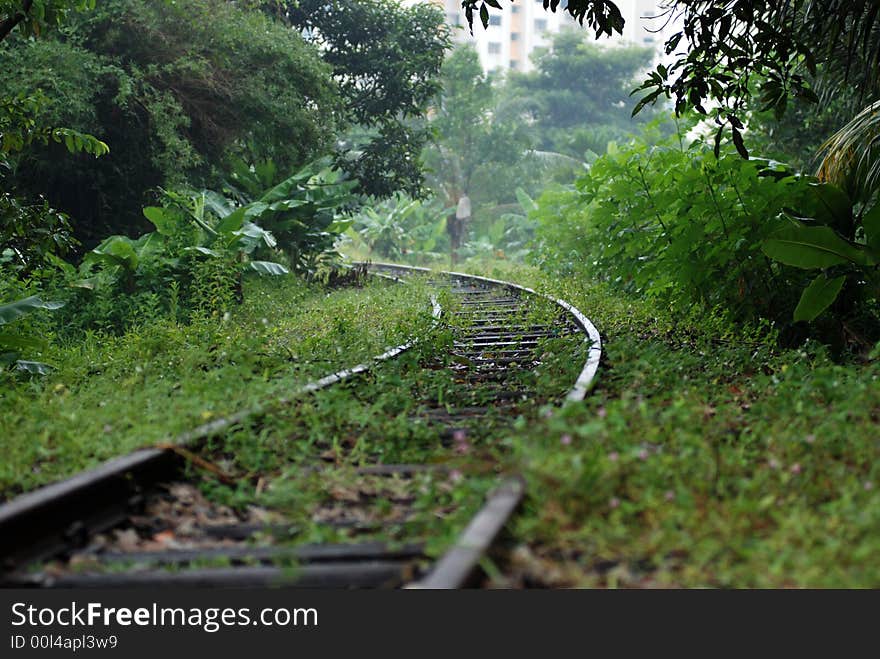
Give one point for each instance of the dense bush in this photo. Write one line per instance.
(674, 223)
(404, 228)
(174, 88)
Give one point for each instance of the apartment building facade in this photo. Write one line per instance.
(524, 25)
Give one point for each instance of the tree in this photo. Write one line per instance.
(386, 59)
(176, 89)
(475, 154)
(726, 51)
(576, 98)
(33, 16)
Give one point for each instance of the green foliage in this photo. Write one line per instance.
(828, 234)
(706, 457)
(14, 345)
(20, 127)
(175, 89)
(402, 227)
(386, 58)
(676, 225)
(32, 17)
(32, 237)
(305, 212)
(817, 297)
(172, 376)
(576, 99)
(476, 152)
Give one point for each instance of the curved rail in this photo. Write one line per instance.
(587, 377)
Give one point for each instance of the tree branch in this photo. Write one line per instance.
(8, 25)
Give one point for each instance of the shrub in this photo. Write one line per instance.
(679, 225)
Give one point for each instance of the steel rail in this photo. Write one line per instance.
(587, 377)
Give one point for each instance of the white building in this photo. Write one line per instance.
(524, 25)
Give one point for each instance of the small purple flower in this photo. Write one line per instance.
(614, 503)
(565, 440)
(643, 454)
(459, 435)
(809, 439)
(614, 456)
(601, 412)
(669, 496)
(796, 468)
(548, 413)
(773, 463)
(455, 475)
(868, 486)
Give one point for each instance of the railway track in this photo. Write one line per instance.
(142, 519)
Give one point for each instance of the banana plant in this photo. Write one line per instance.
(306, 212)
(830, 237)
(221, 228)
(401, 225)
(15, 345)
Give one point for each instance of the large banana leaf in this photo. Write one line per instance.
(268, 268)
(23, 307)
(818, 296)
(812, 247)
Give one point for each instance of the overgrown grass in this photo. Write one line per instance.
(110, 394)
(705, 457)
(303, 465)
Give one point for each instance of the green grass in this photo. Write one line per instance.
(379, 418)
(704, 458)
(112, 394)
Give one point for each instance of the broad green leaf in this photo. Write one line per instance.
(60, 263)
(231, 222)
(89, 284)
(37, 368)
(268, 268)
(340, 225)
(217, 203)
(162, 219)
(251, 235)
(148, 244)
(528, 204)
(116, 250)
(287, 204)
(833, 205)
(871, 225)
(283, 190)
(811, 247)
(16, 342)
(23, 307)
(201, 250)
(817, 297)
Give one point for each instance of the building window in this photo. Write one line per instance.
(540, 24)
(494, 48)
(514, 9)
(648, 39)
(454, 18)
(494, 20)
(514, 64)
(514, 36)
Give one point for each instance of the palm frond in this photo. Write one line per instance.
(851, 158)
(554, 159)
